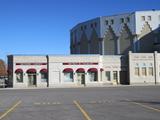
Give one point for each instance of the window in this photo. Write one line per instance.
(112, 21)
(128, 19)
(149, 18)
(19, 77)
(43, 77)
(143, 18)
(122, 20)
(68, 76)
(115, 76)
(95, 24)
(93, 76)
(108, 75)
(136, 71)
(150, 71)
(106, 22)
(85, 27)
(81, 27)
(144, 72)
(91, 25)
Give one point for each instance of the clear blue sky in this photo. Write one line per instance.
(42, 26)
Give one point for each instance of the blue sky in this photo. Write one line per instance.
(42, 26)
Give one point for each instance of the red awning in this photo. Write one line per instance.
(68, 70)
(19, 70)
(32, 70)
(43, 70)
(80, 70)
(101, 69)
(92, 70)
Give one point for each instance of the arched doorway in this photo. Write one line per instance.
(81, 76)
(32, 77)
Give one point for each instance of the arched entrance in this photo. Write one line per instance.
(81, 76)
(32, 77)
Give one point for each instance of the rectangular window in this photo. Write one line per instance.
(43, 77)
(112, 21)
(143, 18)
(122, 20)
(115, 75)
(106, 22)
(150, 71)
(108, 75)
(81, 28)
(95, 24)
(149, 18)
(85, 27)
(144, 72)
(128, 19)
(136, 71)
(91, 25)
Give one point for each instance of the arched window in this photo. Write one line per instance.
(68, 75)
(44, 75)
(19, 75)
(93, 75)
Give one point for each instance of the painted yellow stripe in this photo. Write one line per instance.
(145, 106)
(10, 110)
(82, 110)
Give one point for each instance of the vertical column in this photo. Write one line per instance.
(135, 44)
(156, 66)
(87, 78)
(118, 45)
(75, 77)
(25, 79)
(103, 52)
(118, 77)
(130, 68)
(99, 76)
(111, 76)
(89, 47)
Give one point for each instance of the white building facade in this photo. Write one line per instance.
(83, 70)
(59, 71)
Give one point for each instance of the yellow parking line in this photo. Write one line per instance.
(145, 106)
(82, 110)
(10, 109)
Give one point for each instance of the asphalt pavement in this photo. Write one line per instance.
(107, 103)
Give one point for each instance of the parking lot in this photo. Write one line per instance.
(110, 103)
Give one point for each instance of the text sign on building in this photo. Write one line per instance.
(80, 63)
(31, 63)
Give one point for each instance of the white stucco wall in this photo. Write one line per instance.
(28, 59)
(141, 60)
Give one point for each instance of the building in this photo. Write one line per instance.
(72, 70)
(83, 70)
(3, 73)
(117, 34)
